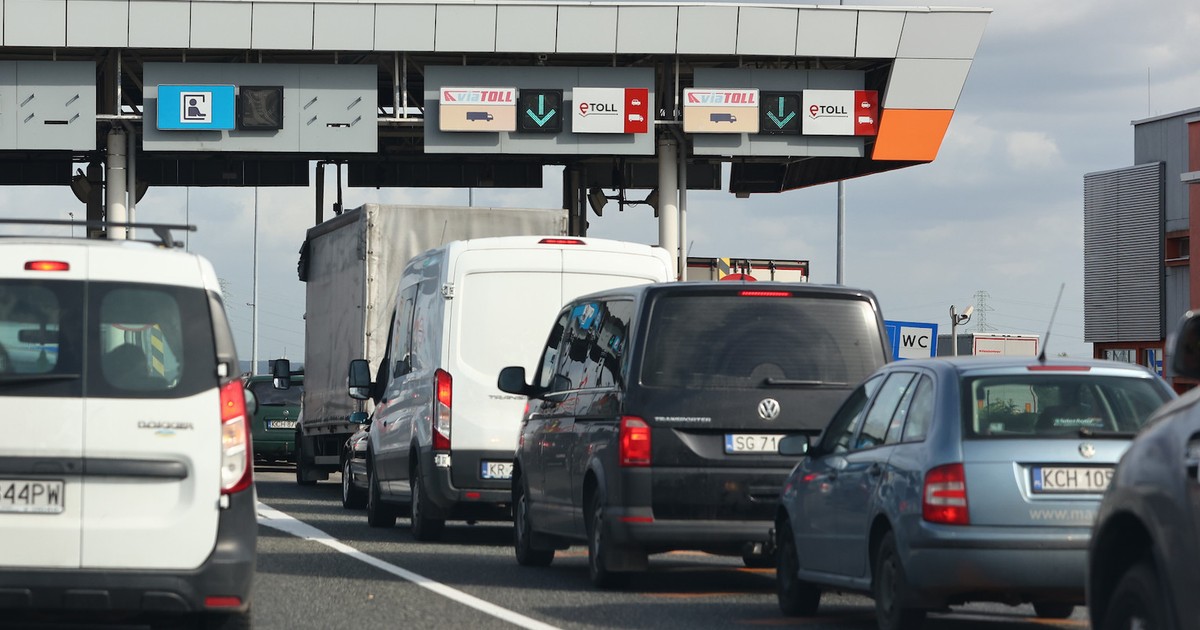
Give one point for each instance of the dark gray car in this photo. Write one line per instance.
(944, 481)
(1142, 565)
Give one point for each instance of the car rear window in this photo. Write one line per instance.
(126, 340)
(266, 394)
(1048, 405)
(732, 341)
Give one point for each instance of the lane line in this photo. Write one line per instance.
(273, 518)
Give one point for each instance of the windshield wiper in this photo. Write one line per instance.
(798, 382)
(1085, 432)
(35, 378)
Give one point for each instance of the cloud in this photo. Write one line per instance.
(1031, 150)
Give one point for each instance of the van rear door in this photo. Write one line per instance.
(41, 393)
(152, 436)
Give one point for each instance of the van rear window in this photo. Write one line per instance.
(126, 341)
(733, 341)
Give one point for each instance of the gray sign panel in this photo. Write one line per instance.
(325, 107)
(48, 105)
(566, 79)
(778, 145)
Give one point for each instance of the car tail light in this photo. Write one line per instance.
(752, 293)
(236, 471)
(635, 442)
(945, 497)
(47, 265)
(443, 385)
(219, 601)
(561, 241)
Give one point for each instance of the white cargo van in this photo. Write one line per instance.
(125, 474)
(442, 435)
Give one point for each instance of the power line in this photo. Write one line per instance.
(981, 311)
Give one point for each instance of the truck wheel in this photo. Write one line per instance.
(301, 469)
(353, 498)
(379, 514)
(424, 528)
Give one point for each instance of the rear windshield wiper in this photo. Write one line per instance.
(35, 378)
(799, 382)
(1085, 432)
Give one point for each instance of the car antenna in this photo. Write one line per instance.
(1042, 356)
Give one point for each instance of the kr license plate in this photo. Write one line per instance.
(281, 424)
(31, 496)
(496, 470)
(741, 443)
(1091, 479)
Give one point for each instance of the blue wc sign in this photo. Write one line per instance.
(912, 340)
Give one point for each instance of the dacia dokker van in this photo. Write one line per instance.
(656, 412)
(442, 435)
(125, 471)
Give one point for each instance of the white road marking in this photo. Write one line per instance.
(274, 518)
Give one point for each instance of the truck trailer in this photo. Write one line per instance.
(351, 265)
(770, 269)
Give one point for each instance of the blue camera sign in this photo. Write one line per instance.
(196, 107)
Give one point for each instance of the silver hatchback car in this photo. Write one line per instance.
(944, 481)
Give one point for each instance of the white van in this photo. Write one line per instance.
(125, 474)
(442, 435)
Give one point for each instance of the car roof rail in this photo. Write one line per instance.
(161, 230)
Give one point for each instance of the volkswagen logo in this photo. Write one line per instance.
(768, 409)
(1087, 450)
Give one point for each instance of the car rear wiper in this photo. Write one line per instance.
(799, 382)
(35, 378)
(1085, 432)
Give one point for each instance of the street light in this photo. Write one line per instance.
(955, 320)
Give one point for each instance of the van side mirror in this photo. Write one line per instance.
(512, 380)
(251, 401)
(281, 374)
(360, 379)
(359, 417)
(794, 446)
(1185, 352)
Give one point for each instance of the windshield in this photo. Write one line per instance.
(266, 393)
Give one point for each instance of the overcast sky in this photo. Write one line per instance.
(1050, 97)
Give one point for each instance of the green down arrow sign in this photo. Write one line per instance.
(781, 120)
(540, 111)
(543, 116)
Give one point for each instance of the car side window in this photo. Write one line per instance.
(879, 416)
(606, 348)
(402, 331)
(848, 419)
(548, 365)
(912, 420)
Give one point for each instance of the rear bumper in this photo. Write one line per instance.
(945, 564)
(469, 502)
(228, 572)
(637, 529)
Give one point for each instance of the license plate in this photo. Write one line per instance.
(30, 496)
(739, 443)
(1093, 479)
(281, 424)
(497, 470)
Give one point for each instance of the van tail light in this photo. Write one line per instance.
(443, 385)
(237, 473)
(763, 293)
(561, 241)
(945, 496)
(635, 442)
(47, 265)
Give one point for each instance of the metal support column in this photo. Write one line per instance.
(115, 178)
(668, 196)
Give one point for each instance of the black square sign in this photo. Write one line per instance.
(540, 111)
(260, 107)
(779, 112)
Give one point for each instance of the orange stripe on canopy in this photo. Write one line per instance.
(911, 134)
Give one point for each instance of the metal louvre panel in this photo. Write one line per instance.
(1123, 254)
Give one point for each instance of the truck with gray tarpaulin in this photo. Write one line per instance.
(351, 265)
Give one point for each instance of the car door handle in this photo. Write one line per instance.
(875, 470)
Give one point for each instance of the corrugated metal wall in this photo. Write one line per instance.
(1123, 254)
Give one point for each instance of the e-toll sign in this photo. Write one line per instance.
(840, 112)
(716, 110)
(540, 111)
(477, 109)
(610, 110)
